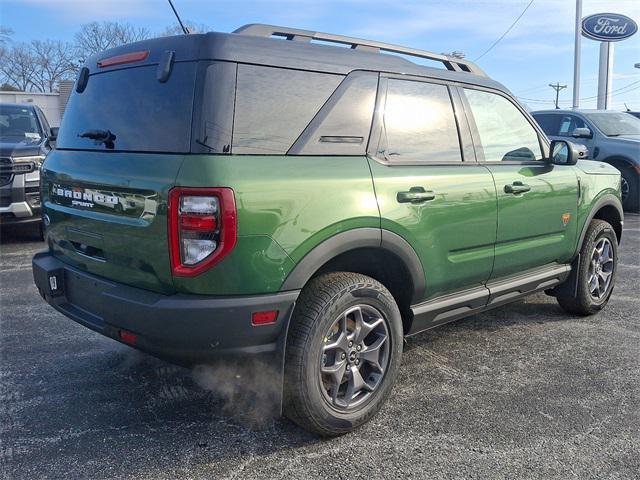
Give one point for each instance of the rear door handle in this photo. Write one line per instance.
(415, 195)
(516, 187)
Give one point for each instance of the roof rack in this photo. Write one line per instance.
(450, 63)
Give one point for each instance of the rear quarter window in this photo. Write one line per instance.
(274, 105)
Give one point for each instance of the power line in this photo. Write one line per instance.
(505, 33)
(612, 92)
(617, 91)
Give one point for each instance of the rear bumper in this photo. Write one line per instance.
(185, 329)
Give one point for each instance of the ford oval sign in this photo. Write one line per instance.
(608, 27)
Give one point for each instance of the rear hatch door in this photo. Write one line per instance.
(123, 138)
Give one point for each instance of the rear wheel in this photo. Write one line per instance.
(343, 351)
(597, 270)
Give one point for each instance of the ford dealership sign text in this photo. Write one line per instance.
(608, 27)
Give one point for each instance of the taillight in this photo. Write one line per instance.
(202, 228)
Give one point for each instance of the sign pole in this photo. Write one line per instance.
(576, 55)
(605, 75)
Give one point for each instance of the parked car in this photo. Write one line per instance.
(611, 137)
(25, 139)
(307, 207)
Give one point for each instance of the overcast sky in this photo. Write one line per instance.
(538, 51)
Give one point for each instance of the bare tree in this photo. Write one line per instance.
(5, 34)
(95, 37)
(18, 66)
(55, 61)
(5, 38)
(192, 27)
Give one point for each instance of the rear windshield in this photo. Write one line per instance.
(142, 113)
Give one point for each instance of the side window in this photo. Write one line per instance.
(505, 133)
(419, 123)
(213, 116)
(549, 122)
(274, 106)
(568, 124)
(342, 125)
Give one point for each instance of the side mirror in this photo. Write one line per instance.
(583, 132)
(563, 153)
(53, 134)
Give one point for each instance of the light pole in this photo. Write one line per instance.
(576, 55)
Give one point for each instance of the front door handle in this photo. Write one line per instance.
(415, 195)
(516, 187)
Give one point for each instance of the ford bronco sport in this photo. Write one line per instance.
(249, 197)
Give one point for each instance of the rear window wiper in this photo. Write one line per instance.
(100, 136)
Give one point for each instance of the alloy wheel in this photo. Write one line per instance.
(355, 357)
(601, 269)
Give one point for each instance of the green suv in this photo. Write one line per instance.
(268, 196)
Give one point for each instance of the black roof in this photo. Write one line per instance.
(269, 51)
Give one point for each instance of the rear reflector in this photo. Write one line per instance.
(128, 337)
(264, 318)
(125, 58)
(198, 222)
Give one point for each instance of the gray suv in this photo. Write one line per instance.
(611, 137)
(25, 140)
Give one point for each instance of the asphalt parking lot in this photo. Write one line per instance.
(521, 392)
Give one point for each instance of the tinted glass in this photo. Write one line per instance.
(419, 123)
(18, 123)
(615, 123)
(549, 122)
(342, 125)
(143, 113)
(569, 123)
(274, 106)
(213, 116)
(505, 133)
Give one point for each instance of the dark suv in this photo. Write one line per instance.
(609, 136)
(247, 197)
(25, 140)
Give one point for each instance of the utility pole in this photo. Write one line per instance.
(576, 55)
(557, 87)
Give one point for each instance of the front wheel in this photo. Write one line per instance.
(343, 351)
(630, 189)
(596, 270)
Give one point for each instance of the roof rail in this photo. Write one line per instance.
(450, 63)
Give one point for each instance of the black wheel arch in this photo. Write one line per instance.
(608, 208)
(358, 242)
(619, 160)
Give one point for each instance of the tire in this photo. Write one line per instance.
(631, 190)
(328, 311)
(589, 298)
